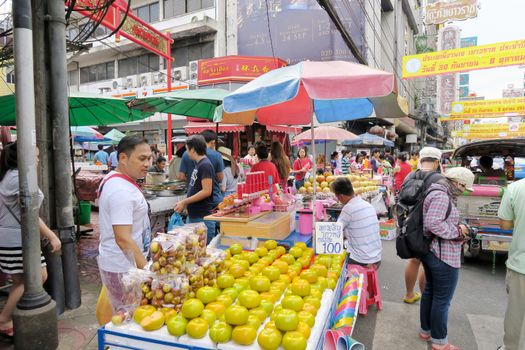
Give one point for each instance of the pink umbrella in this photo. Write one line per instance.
(325, 132)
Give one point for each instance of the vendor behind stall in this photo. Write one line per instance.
(265, 165)
(199, 201)
(360, 225)
(159, 166)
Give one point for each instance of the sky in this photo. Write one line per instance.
(497, 21)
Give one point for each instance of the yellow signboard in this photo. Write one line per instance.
(504, 107)
(488, 135)
(470, 117)
(465, 59)
(499, 127)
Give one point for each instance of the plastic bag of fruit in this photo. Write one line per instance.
(209, 264)
(201, 230)
(124, 292)
(195, 274)
(168, 254)
(169, 291)
(219, 256)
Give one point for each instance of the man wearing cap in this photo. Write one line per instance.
(429, 163)
(512, 217)
(443, 261)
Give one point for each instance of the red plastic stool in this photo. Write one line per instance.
(371, 293)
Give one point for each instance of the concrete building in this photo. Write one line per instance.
(383, 30)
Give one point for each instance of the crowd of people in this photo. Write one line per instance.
(212, 172)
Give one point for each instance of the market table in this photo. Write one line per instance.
(132, 336)
(160, 211)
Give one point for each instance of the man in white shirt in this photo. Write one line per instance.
(123, 216)
(360, 225)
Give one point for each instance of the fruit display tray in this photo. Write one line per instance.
(132, 336)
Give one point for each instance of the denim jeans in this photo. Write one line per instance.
(209, 224)
(441, 282)
(299, 184)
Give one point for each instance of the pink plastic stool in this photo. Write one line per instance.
(371, 293)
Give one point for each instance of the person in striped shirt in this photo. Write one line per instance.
(345, 162)
(360, 225)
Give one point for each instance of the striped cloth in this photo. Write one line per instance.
(361, 231)
(345, 165)
(434, 211)
(11, 260)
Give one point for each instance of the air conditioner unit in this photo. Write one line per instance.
(131, 82)
(194, 70)
(159, 77)
(180, 73)
(145, 79)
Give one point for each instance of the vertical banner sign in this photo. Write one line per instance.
(448, 39)
(328, 238)
(465, 77)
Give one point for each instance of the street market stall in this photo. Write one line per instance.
(184, 299)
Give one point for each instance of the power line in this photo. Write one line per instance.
(269, 28)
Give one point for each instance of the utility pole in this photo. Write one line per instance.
(35, 318)
(61, 149)
(44, 136)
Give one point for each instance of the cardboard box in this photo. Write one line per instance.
(388, 235)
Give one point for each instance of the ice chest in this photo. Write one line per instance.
(275, 225)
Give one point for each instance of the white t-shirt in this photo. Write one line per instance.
(120, 203)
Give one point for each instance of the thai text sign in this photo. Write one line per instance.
(235, 68)
(500, 107)
(487, 135)
(464, 59)
(328, 238)
(493, 127)
(441, 12)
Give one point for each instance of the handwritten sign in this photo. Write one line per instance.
(328, 238)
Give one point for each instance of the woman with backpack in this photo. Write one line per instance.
(442, 262)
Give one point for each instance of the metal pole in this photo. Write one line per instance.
(61, 151)
(314, 219)
(44, 135)
(169, 132)
(35, 318)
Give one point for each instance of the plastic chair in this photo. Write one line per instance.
(371, 293)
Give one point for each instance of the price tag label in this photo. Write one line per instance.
(328, 238)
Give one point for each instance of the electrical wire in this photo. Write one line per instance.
(269, 28)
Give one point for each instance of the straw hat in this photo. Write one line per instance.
(462, 176)
(224, 151)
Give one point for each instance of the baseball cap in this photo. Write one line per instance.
(430, 152)
(461, 175)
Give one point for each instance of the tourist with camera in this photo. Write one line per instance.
(441, 221)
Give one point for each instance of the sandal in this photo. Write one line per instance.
(446, 347)
(412, 300)
(7, 333)
(424, 336)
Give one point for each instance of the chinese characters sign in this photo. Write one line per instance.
(447, 83)
(133, 28)
(235, 68)
(464, 59)
(441, 12)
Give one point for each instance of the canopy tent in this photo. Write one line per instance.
(84, 110)
(86, 134)
(114, 135)
(367, 139)
(199, 103)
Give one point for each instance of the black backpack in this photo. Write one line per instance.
(412, 242)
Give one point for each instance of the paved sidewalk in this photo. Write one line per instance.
(78, 328)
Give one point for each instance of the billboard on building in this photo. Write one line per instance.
(298, 30)
(499, 107)
(447, 84)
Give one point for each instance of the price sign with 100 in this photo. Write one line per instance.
(328, 238)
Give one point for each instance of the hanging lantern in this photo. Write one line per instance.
(377, 130)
